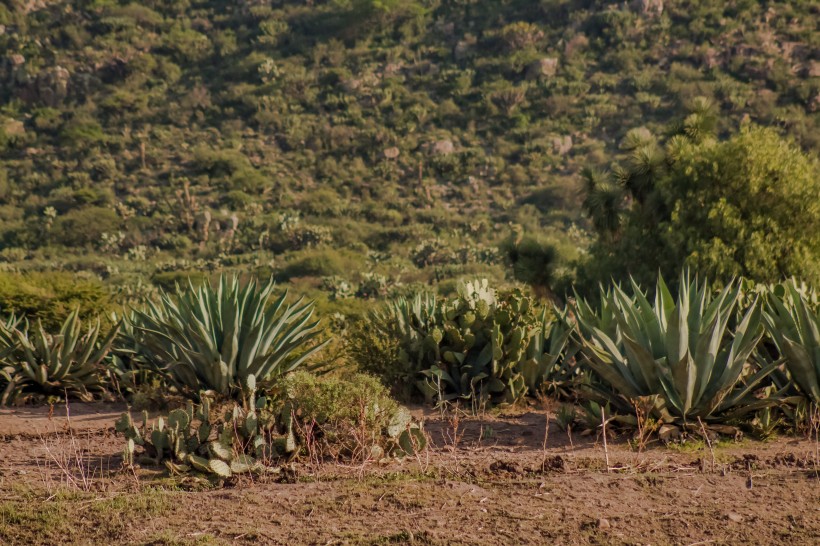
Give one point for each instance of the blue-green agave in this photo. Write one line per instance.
(213, 338)
(36, 363)
(793, 321)
(692, 355)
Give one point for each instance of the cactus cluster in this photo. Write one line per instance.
(478, 346)
(251, 437)
(244, 441)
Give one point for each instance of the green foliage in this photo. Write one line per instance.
(349, 417)
(84, 227)
(169, 280)
(411, 129)
(690, 355)
(206, 338)
(35, 364)
(793, 322)
(741, 206)
(342, 418)
(549, 365)
(746, 206)
(533, 261)
(475, 346)
(51, 297)
(245, 440)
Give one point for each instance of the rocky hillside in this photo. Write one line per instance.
(355, 144)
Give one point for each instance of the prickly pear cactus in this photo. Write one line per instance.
(484, 338)
(187, 439)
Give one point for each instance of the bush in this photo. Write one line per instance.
(318, 263)
(51, 297)
(168, 280)
(477, 346)
(348, 418)
(83, 227)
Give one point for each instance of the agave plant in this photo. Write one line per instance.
(794, 324)
(206, 338)
(684, 352)
(550, 364)
(36, 363)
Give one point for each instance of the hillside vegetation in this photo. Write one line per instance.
(358, 146)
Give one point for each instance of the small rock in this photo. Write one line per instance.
(668, 433)
(391, 153)
(462, 50)
(562, 145)
(603, 523)
(542, 68)
(737, 518)
(351, 84)
(443, 147)
(392, 68)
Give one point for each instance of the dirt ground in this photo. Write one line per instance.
(482, 481)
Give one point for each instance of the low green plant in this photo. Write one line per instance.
(565, 417)
(476, 346)
(348, 418)
(37, 364)
(692, 354)
(51, 297)
(549, 365)
(206, 338)
(382, 343)
(475, 349)
(244, 441)
(342, 418)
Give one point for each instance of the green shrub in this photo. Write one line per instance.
(168, 280)
(84, 227)
(51, 297)
(348, 418)
(243, 440)
(793, 321)
(476, 346)
(318, 263)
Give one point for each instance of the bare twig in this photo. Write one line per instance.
(603, 427)
(708, 442)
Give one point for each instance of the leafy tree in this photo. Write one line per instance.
(746, 205)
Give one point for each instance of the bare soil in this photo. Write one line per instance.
(482, 481)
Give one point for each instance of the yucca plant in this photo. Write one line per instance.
(35, 363)
(213, 338)
(793, 322)
(685, 352)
